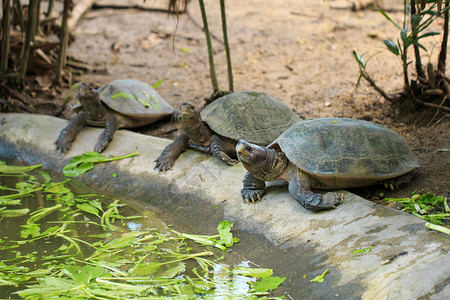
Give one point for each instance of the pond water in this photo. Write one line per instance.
(75, 243)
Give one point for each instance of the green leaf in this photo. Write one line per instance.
(12, 213)
(226, 237)
(30, 229)
(114, 175)
(97, 204)
(45, 175)
(392, 46)
(433, 33)
(390, 20)
(145, 269)
(415, 20)
(86, 207)
(17, 169)
(75, 85)
(319, 278)
(253, 272)
(10, 201)
(85, 162)
(25, 187)
(359, 59)
(57, 188)
(187, 50)
(364, 250)
(85, 274)
(267, 284)
(173, 271)
(158, 83)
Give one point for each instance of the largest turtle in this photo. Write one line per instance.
(123, 103)
(327, 153)
(256, 117)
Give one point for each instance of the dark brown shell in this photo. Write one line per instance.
(255, 117)
(346, 149)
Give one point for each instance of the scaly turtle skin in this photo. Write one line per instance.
(327, 153)
(256, 117)
(125, 103)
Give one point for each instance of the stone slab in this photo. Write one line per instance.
(300, 242)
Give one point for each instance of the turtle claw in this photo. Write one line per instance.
(331, 200)
(162, 165)
(251, 196)
(63, 145)
(229, 161)
(100, 147)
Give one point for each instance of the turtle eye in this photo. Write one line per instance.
(248, 148)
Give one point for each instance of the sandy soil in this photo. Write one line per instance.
(299, 53)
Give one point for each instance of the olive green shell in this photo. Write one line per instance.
(346, 152)
(134, 98)
(255, 117)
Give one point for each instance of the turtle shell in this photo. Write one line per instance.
(343, 152)
(255, 117)
(135, 99)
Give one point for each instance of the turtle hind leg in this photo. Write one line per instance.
(112, 123)
(69, 133)
(397, 182)
(310, 200)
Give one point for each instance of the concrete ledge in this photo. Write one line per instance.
(295, 242)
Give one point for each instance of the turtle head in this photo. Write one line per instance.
(188, 113)
(90, 101)
(266, 164)
(249, 154)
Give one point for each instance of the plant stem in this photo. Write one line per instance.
(227, 47)
(6, 25)
(121, 157)
(63, 43)
(212, 69)
(51, 4)
(419, 67)
(29, 36)
(443, 53)
(43, 213)
(438, 228)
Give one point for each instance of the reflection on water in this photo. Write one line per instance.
(133, 245)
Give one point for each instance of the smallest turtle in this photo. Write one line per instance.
(125, 103)
(327, 153)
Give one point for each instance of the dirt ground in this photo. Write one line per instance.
(299, 52)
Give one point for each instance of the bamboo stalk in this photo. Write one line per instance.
(51, 4)
(227, 47)
(19, 14)
(29, 36)
(6, 25)
(443, 53)
(212, 69)
(64, 38)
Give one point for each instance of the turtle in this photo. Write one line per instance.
(254, 116)
(123, 103)
(326, 153)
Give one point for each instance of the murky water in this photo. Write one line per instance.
(82, 226)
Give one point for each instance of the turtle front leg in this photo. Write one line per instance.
(310, 200)
(167, 158)
(253, 188)
(221, 147)
(112, 123)
(69, 133)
